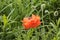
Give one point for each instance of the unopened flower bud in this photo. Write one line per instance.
(42, 6)
(56, 13)
(46, 11)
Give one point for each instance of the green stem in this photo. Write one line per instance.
(29, 34)
(43, 29)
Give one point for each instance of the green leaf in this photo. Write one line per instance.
(58, 22)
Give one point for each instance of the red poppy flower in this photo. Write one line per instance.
(31, 22)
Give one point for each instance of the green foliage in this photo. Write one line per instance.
(13, 11)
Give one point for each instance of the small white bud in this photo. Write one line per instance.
(42, 6)
(46, 11)
(56, 13)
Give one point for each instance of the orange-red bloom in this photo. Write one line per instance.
(31, 22)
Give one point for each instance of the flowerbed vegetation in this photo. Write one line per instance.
(29, 19)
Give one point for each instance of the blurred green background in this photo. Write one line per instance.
(13, 11)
